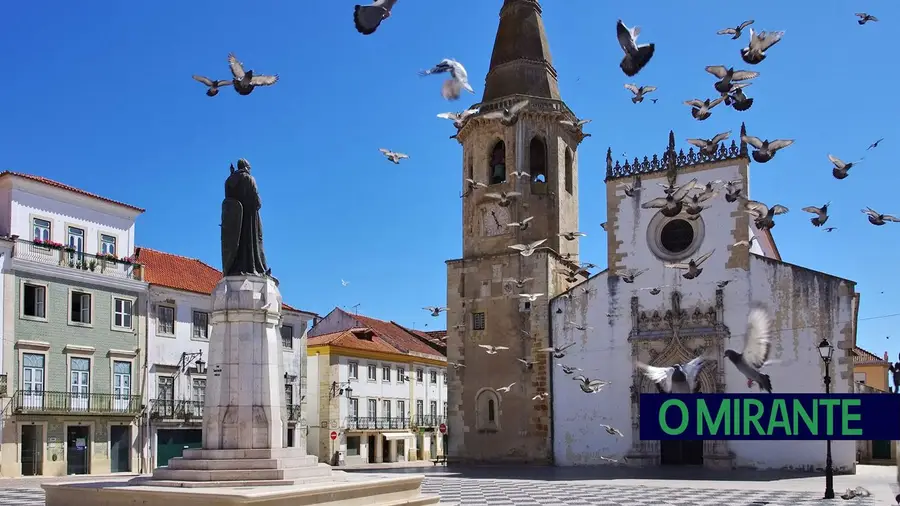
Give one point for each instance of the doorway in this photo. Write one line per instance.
(681, 453)
(120, 449)
(290, 437)
(32, 458)
(78, 449)
(371, 449)
(881, 450)
(385, 449)
(171, 443)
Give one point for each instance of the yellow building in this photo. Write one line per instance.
(870, 375)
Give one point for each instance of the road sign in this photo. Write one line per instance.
(443, 428)
(333, 435)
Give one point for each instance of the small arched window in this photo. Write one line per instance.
(537, 165)
(487, 410)
(470, 170)
(497, 165)
(570, 161)
(492, 416)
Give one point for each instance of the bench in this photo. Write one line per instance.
(440, 459)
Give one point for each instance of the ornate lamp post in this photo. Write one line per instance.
(826, 350)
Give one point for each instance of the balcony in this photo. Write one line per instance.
(44, 402)
(2, 385)
(58, 255)
(429, 420)
(181, 410)
(367, 423)
(294, 414)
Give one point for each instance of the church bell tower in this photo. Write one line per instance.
(534, 158)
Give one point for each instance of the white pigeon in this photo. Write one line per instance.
(636, 56)
(757, 347)
(519, 174)
(571, 236)
(459, 78)
(519, 283)
(612, 431)
(530, 297)
(458, 118)
(580, 327)
(368, 18)
(523, 225)
(492, 350)
(678, 379)
(748, 243)
(344, 283)
(393, 156)
(557, 352)
(541, 396)
(526, 250)
(435, 310)
(590, 386)
(509, 115)
(577, 124)
(507, 388)
(755, 52)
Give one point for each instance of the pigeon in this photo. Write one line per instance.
(455, 365)
(755, 52)
(639, 92)
(700, 108)
(748, 243)
(519, 283)
(612, 431)
(739, 101)
(590, 386)
(763, 215)
(722, 284)
(694, 204)
(692, 267)
(636, 56)
(458, 118)
(526, 250)
(856, 492)
(820, 212)
(213, 85)
(829, 229)
(435, 311)
(246, 82)
(736, 31)
(841, 168)
(655, 290)
(603, 226)
(508, 116)
(392, 156)
(630, 190)
(710, 146)
(728, 75)
(863, 19)
(558, 352)
(344, 283)
(678, 379)
(473, 185)
(628, 275)
(671, 204)
(527, 363)
(578, 124)
(530, 297)
(765, 150)
(518, 174)
(506, 388)
(733, 190)
(875, 218)
(541, 396)
(875, 144)
(367, 18)
(504, 199)
(756, 348)
(523, 225)
(571, 236)
(582, 328)
(459, 78)
(614, 461)
(492, 350)
(654, 100)
(567, 369)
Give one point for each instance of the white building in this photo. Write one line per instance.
(379, 386)
(690, 317)
(178, 341)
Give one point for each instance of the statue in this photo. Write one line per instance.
(242, 246)
(895, 375)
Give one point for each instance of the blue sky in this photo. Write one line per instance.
(100, 96)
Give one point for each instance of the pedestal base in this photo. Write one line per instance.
(241, 468)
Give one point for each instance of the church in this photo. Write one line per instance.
(658, 318)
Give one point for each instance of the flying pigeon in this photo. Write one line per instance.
(694, 204)
(603, 226)
(700, 109)
(518, 174)
(344, 283)
(733, 190)
(756, 348)
(504, 199)
(246, 82)
(863, 19)
(736, 31)
(527, 363)
(568, 369)
(579, 327)
(678, 379)
(841, 168)
(764, 216)
(636, 56)
(526, 250)
(612, 431)
(523, 225)
(655, 290)
(508, 116)
(829, 229)
(459, 78)
(590, 386)
(506, 388)
(367, 18)
(558, 352)
(578, 124)
(875, 144)
(630, 190)
(473, 185)
(692, 267)
(213, 85)
(875, 218)
(628, 275)
(458, 118)
(748, 243)
(820, 212)
(710, 146)
(492, 350)
(765, 150)
(723, 284)
(519, 283)
(434, 310)
(571, 236)
(455, 365)
(755, 52)
(639, 92)
(530, 297)
(727, 76)
(671, 204)
(541, 396)
(393, 156)
(738, 100)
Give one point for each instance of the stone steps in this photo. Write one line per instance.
(238, 471)
(180, 463)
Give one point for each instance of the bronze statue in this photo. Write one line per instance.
(242, 237)
(895, 375)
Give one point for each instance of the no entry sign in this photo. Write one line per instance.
(443, 428)
(333, 435)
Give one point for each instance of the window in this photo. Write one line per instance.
(352, 446)
(401, 375)
(80, 305)
(420, 375)
(107, 245)
(859, 377)
(477, 321)
(198, 396)
(122, 313)
(487, 411)
(75, 241)
(444, 374)
(372, 372)
(354, 407)
(386, 409)
(432, 376)
(570, 162)
(165, 395)
(34, 301)
(201, 325)
(420, 410)
(537, 156)
(353, 370)
(497, 167)
(40, 230)
(33, 380)
(373, 408)
(288, 395)
(401, 409)
(386, 373)
(492, 414)
(433, 409)
(445, 410)
(165, 320)
(287, 336)
(121, 385)
(79, 383)
(676, 236)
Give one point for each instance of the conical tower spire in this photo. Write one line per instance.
(521, 63)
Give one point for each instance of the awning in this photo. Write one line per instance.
(395, 436)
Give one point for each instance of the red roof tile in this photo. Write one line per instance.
(57, 184)
(395, 334)
(352, 339)
(437, 339)
(861, 355)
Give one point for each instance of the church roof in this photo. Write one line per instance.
(521, 63)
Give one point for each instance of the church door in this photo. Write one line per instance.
(681, 453)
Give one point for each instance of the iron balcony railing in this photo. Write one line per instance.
(2, 385)
(170, 409)
(429, 420)
(33, 401)
(51, 253)
(376, 423)
(294, 413)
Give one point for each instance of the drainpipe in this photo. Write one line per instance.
(145, 373)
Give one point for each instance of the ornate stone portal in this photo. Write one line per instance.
(677, 336)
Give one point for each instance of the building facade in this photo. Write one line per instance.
(73, 300)
(179, 305)
(379, 387)
(870, 376)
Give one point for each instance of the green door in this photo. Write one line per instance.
(171, 443)
(881, 450)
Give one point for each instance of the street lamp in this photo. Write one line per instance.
(188, 358)
(826, 350)
(340, 389)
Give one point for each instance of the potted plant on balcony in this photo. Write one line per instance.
(129, 260)
(92, 265)
(48, 243)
